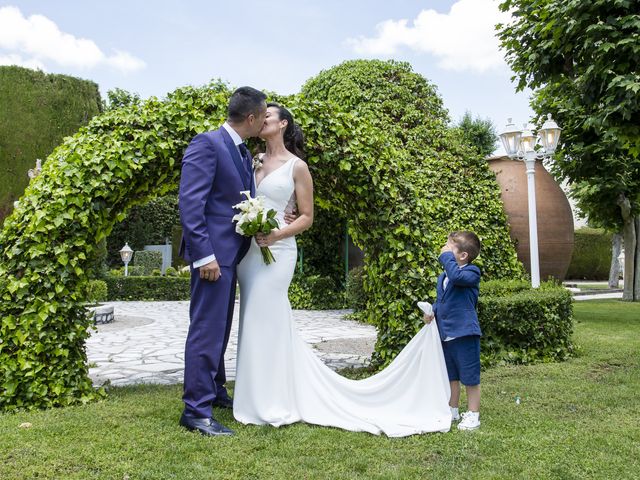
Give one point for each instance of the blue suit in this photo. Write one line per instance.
(455, 306)
(213, 175)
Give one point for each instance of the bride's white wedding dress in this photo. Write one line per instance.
(279, 379)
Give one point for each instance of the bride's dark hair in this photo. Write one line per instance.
(293, 137)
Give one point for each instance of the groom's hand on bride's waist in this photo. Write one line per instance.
(290, 217)
(210, 271)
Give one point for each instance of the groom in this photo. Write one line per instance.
(216, 167)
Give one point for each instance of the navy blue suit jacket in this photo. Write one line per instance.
(213, 175)
(455, 308)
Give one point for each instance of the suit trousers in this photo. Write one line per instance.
(211, 314)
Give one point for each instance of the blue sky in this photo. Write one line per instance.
(153, 47)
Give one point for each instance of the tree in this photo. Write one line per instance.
(481, 133)
(119, 97)
(581, 60)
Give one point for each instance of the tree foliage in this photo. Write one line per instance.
(582, 61)
(118, 98)
(479, 132)
(37, 110)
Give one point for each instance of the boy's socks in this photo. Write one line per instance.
(455, 414)
(470, 421)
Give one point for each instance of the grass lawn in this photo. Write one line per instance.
(595, 286)
(578, 419)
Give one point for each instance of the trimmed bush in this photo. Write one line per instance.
(37, 110)
(591, 258)
(132, 271)
(171, 272)
(354, 291)
(148, 261)
(96, 291)
(505, 287)
(313, 292)
(322, 246)
(525, 325)
(148, 288)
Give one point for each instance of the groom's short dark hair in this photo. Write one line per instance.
(245, 101)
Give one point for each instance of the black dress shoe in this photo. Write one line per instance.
(206, 426)
(226, 402)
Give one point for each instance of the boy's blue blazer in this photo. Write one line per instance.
(455, 307)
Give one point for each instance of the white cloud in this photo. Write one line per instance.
(463, 39)
(13, 59)
(41, 40)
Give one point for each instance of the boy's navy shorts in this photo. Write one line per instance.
(462, 356)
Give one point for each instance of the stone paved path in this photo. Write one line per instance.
(145, 344)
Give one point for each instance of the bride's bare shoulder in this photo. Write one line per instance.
(300, 168)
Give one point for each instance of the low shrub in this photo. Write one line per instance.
(525, 325)
(171, 272)
(314, 292)
(355, 296)
(503, 287)
(591, 258)
(149, 260)
(148, 288)
(96, 291)
(132, 271)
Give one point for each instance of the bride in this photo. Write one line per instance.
(279, 379)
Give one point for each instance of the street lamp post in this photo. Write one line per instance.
(521, 145)
(125, 254)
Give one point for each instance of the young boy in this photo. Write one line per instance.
(457, 319)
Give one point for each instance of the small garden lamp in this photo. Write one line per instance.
(521, 145)
(126, 253)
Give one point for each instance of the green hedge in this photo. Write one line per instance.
(322, 246)
(355, 296)
(525, 325)
(591, 258)
(96, 291)
(36, 111)
(148, 288)
(314, 292)
(147, 261)
(506, 287)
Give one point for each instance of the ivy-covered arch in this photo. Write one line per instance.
(403, 189)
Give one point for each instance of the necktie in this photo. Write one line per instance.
(246, 157)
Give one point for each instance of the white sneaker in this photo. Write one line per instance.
(470, 421)
(455, 414)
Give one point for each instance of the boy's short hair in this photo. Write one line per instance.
(466, 241)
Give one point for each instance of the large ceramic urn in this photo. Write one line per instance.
(555, 220)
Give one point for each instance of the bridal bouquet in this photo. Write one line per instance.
(254, 219)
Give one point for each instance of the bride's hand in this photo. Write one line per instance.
(266, 240)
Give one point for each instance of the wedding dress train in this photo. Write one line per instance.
(280, 380)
